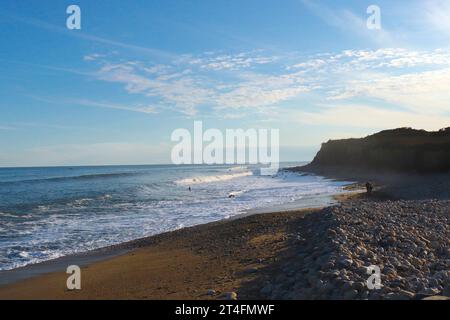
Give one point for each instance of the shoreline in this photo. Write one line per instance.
(182, 247)
(389, 185)
(320, 253)
(82, 259)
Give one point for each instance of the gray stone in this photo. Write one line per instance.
(251, 270)
(346, 262)
(446, 291)
(430, 291)
(266, 290)
(351, 294)
(211, 292)
(406, 294)
(231, 295)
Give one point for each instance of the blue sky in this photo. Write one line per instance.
(113, 92)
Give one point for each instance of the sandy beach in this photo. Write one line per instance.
(224, 256)
(271, 151)
(300, 254)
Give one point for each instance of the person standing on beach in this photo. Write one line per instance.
(369, 187)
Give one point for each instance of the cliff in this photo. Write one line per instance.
(403, 150)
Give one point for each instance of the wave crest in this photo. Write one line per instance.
(215, 178)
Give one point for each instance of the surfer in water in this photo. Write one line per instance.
(190, 188)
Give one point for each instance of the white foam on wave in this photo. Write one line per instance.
(80, 202)
(238, 168)
(15, 216)
(236, 193)
(5, 214)
(28, 258)
(24, 254)
(213, 178)
(149, 210)
(43, 208)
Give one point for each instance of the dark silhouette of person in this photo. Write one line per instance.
(190, 188)
(369, 187)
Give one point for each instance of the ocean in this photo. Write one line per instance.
(46, 213)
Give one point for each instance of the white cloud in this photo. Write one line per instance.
(252, 96)
(423, 92)
(350, 23)
(362, 116)
(177, 90)
(99, 104)
(96, 104)
(231, 62)
(437, 14)
(186, 90)
(93, 57)
(415, 80)
(310, 64)
(385, 58)
(91, 38)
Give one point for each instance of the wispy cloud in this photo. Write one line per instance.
(177, 90)
(425, 92)
(349, 22)
(190, 83)
(93, 56)
(87, 37)
(417, 80)
(106, 105)
(379, 59)
(49, 67)
(229, 61)
(365, 116)
(97, 104)
(21, 125)
(437, 14)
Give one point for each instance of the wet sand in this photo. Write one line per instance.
(223, 256)
(317, 253)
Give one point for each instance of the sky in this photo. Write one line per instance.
(114, 91)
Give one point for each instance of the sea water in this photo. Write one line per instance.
(46, 213)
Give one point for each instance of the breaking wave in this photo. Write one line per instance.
(214, 178)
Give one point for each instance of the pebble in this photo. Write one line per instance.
(266, 290)
(351, 294)
(231, 295)
(406, 239)
(346, 262)
(251, 270)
